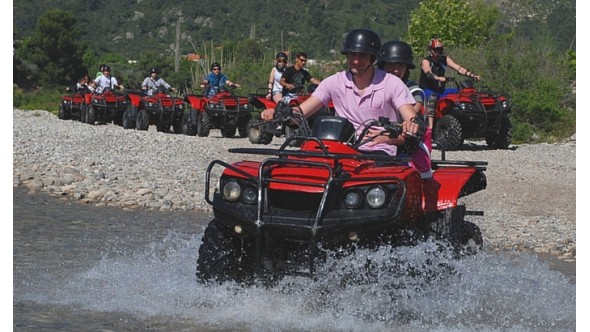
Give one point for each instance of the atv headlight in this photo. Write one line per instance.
(504, 105)
(150, 104)
(376, 197)
(250, 195)
(465, 106)
(231, 191)
(352, 199)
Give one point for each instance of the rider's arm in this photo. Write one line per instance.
(425, 66)
(271, 80)
(461, 70)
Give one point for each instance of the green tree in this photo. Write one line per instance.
(459, 23)
(55, 49)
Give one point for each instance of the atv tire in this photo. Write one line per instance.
(451, 226)
(256, 133)
(448, 133)
(293, 131)
(163, 127)
(243, 128)
(128, 122)
(228, 131)
(90, 115)
(177, 125)
(62, 113)
(83, 113)
(143, 120)
(223, 256)
(187, 128)
(203, 124)
(502, 138)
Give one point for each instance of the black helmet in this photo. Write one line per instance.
(281, 55)
(106, 68)
(362, 41)
(101, 67)
(154, 70)
(398, 52)
(215, 65)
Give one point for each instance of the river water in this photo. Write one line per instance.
(84, 268)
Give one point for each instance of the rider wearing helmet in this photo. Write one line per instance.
(106, 81)
(433, 68)
(363, 93)
(151, 83)
(215, 80)
(397, 58)
(275, 89)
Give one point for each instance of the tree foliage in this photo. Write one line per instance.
(55, 49)
(457, 22)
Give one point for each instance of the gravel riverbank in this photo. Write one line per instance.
(530, 202)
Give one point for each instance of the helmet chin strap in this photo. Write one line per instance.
(361, 72)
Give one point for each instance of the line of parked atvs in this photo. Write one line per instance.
(460, 113)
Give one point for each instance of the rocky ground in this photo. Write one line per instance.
(530, 202)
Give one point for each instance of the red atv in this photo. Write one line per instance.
(224, 111)
(262, 132)
(72, 105)
(466, 112)
(159, 109)
(287, 213)
(105, 107)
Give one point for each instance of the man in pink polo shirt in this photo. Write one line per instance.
(363, 93)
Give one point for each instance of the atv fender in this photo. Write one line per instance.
(134, 99)
(449, 184)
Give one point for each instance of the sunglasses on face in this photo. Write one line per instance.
(282, 61)
(214, 69)
(302, 60)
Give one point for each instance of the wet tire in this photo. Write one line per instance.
(203, 124)
(223, 256)
(143, 120)
(256, 134)
(503, 137)
(450, 225)
(448, 133)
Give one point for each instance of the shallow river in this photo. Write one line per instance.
(82, 268)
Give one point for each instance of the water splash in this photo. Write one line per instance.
(424, 287)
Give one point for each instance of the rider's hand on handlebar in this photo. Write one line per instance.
(268, 114)
(410, 128)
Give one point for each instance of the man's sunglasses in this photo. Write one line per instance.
(282, 60)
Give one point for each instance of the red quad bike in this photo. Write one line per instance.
(224, 111)
(105, 107)
(286, 214)
(159, 109)
(72, 105)
(467, 112)
(262, 132)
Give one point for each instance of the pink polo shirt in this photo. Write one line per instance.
(382, 97)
